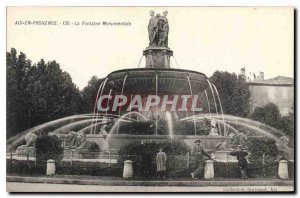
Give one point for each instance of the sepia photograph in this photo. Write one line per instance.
(150, 99)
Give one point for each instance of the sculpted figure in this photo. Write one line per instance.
(163, 30)
(103, 130)
(158, 30)
(71, 139)
(30, 139)
(222, 146)
(232, 140)
(29, 147)
(153, 29)
(213, 129)
(81, 140)
(284, 140)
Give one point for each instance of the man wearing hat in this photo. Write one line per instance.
(242, 161)
(198, 153)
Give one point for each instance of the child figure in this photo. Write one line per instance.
(242, 162)
(161, 159)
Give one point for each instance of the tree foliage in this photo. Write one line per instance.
(89, 94)
(269, 114)
(37, 93)
(258, 147)
(234, 93)
(49, 147)
(286, 124)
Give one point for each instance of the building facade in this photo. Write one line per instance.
(278, 90)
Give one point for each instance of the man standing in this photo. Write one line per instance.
(242, 162)
(198, 153)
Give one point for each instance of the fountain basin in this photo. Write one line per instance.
(117, 141)
(160, 80)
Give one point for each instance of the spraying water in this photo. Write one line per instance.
(13, 141)
(170, 124)
(195, 126)
(207, 103)
(220, 107)
(96, 102)
(251, 125)
(212, 91)
(124, 118)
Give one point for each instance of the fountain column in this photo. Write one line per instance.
(157, 57)
(158, 53)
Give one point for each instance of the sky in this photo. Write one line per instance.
(204, 39)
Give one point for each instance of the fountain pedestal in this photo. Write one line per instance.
(283, 169)
(128, 169)
(50, 167)
(209, 169)
(157, 57)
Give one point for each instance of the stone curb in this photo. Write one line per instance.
(125, 182)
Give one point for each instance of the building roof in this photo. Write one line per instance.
(279, 80)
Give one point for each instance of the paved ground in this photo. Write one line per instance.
(42, 187)
(76, 183)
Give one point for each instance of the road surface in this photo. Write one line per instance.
(42, 187)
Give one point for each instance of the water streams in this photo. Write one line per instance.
(195, 125)
(170, 124)
(90, 123)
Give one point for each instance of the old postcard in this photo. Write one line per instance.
(150, 99)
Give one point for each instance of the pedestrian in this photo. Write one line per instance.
(146, 165)
(242, 161)
(161, 160)
(198, 153)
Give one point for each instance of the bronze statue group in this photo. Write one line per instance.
(158, 30)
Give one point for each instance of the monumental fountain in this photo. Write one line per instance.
(154, 103)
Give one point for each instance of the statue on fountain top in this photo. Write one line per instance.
(158, 53)
(158, 30)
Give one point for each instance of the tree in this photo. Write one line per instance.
(48, 147)
(52, 92)
(286, 124)
(263, 150)
(268, 114)
(233, 91)
(89, 94)
(37, 93)
(18, 70)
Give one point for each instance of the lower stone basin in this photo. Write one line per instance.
(116, 141)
